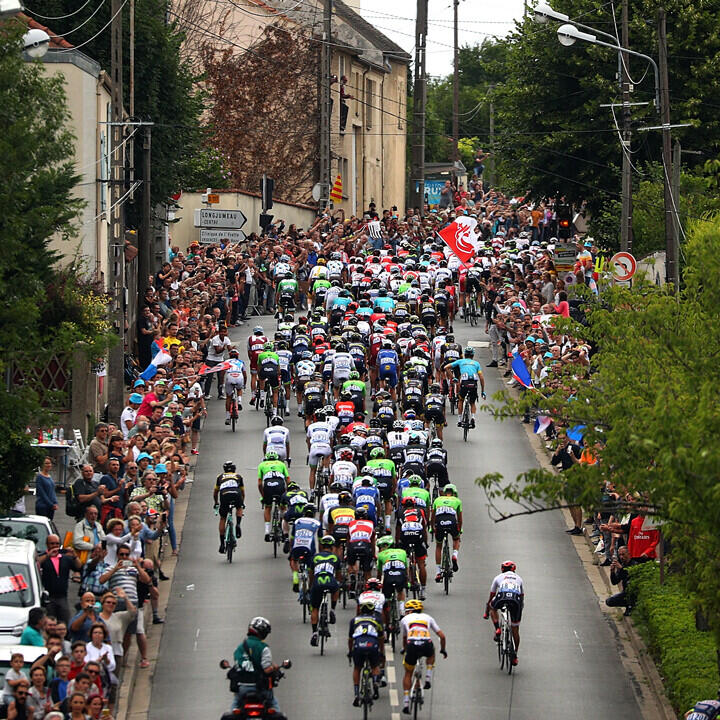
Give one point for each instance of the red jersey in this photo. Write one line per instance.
(361, 531)
(345, 410)
(255, 347)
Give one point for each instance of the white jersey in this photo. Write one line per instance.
(334, 267)
(416, 628)
(319, 271)
(319, 433)
(328, 502)
(305, 368)
(507, 582)
(281, 269)
(442, 274)
(342, 364)
(373, 596)
(235, 372)
(343, 471)
(397, 439)
(276, 437)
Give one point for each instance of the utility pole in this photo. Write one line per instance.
(145, 236)
(671, 250)
(417, 171)
(626, 217)
(325, 106)
(677, 152)
(491, 158)
(116, 241)
(456, 85)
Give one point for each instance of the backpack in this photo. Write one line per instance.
(247, 672)
(72, 506)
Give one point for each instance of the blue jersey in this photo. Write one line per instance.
(304, 532)
(386, 304)
(387, 360)
(367, 497)
(469, 369)
(341, 302)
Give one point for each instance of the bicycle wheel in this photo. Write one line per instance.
(304, 595)
(510, 649)
(323, 625)
(281, 402)
(466, 422)
(275, 534)
(446, 569)
(229, 540)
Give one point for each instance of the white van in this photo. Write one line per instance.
(20, 587)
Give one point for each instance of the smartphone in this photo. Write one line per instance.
(127, 563)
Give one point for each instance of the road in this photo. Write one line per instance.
(569, 666)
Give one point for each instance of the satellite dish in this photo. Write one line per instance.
(317, 192)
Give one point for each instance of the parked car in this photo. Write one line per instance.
(30, 654)
(29, 527)
(20, 587)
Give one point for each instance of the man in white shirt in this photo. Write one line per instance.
(216, 354)
(127, 419)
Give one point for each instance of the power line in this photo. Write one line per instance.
(59, 17)
(89, 40)
(83, 23)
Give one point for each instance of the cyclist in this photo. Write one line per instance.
(436, 462)
(435, 408)
(366, 641)
(417, 642)
(273, 476)
(341, 517)
(235, 377)
(356, 387)
(329, 501)
(342, 365)
(450, 351)
(416, 489)
(344, 470)
(507, 590)
(324, 569)
(269, 372)
(229, 493)
(387, 363)
(304, 371)
(277, 439)
(286, 368)
(302, 541)
(704, 710)
(361, 542)
(313, 396)
(373, 593)
(392, 567)
(345, 408)
(256, 343)
(287, 293)
(411, 535)
(366, 496)
(319, 436)
(470, 372)
(384, 473)
(447, 520)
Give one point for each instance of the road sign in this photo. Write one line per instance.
(623, 266)
(231, 219)
(213, 198)
(564, 256)
(207, 236)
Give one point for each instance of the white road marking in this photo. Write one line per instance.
(577, 637)
(394, 697)
(197, 635)
(394, 716)
(390, 670)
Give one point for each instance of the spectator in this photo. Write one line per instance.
(55, 568)
(114, 494)
(117, 621)
(45, 499)
(19, 708)
(620, 576)
(47, 661)
(88, 533)
(86, 490)
(94, 568)
(99, 649)
(98, 449)
(39, 699)
(216, 354)
(59, 684)
(82, 622)
(13, 678)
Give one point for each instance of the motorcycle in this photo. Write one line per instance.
(253, 704)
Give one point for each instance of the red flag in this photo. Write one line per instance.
(461, 238)
(220, 367)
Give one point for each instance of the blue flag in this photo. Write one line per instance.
(521, 373)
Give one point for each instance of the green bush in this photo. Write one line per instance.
(665, 617)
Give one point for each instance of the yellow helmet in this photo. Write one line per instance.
(321, 261)
(414, 606)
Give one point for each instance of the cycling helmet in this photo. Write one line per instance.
(399, 425)
(409, 415)
(326, 541)
(354, 375)
(289, 317)
(373, 584)
(229, 466)
(415, 481)
(257, 330)
(361, 513)
(346, 454)
(292, 485)
(341, 348)
(261, 627)
(276, 420)
(385, 541)
(346, 395)
(271, 455)
(414, 439)
(366, 480)
(449, 338)
(344, 498)
(435, 388)
(278, 336)
(408, 501)
(335, 486)
(508, 566)
(306, 355)
(282, 345)
(436, 443)
(329, 410)
(377, 452)
(469, 352)
(320, 415)
(234, 352)
(268, 346)
(375, 422)
(368, 606)
(450, 487)
(413, 606)
(308, 511)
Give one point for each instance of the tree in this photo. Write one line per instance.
(44, 311)
(651, 412)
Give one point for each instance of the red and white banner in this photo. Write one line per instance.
(461, 237)
(220, 367)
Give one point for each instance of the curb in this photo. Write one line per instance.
(636, 659)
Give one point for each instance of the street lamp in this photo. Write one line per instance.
(36, 43)
(543, 12)
(8, 8)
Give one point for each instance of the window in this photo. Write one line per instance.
(341, 67)
(370, 102)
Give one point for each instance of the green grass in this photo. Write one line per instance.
(665, 617)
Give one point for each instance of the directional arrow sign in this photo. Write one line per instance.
(623, 266)
(208, 236)
(231, 219)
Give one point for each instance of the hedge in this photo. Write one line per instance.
(665, 617)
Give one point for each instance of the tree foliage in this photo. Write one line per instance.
(650, 408)
(44, 311)
(264, 111)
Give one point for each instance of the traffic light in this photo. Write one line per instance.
(267, 185)
(265, 221)
(564, 222)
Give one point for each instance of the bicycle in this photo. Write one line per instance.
(322, 480)
(452, 397)
(256, 396)
(471, 310)
(446, 563)
(324, 622)
(366, 688)
(275, 527)
(413, 575)
(393, 626)
(465, 420)
(230, 538)
(282, 399)
(417, 692)
(233, 408)
(432, 431)
(506, 645)
(304, 590)
(269, 409)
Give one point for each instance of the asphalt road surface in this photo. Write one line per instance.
(569, 667)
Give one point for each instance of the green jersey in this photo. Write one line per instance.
(272, 469)
(391, 560)
(422, 496)
(446, 506)
(269, 360)
(381, 468)
(354, 385)
(288, 286)
(402, 288)
(320, 284)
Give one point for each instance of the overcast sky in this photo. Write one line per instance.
(477, 20)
